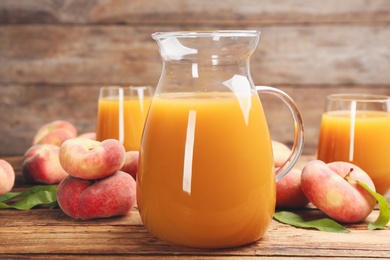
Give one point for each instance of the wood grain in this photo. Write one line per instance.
(55, 55)
(50, 232)
(194, 12)
(25, 108)
(128, 55)
(43, 233)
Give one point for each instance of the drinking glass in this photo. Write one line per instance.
(355, 128)
(121, 114)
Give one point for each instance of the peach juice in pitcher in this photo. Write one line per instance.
(206, 177)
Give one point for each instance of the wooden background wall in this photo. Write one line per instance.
(55, 55)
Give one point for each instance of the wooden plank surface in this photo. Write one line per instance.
(189, 12)
(71, 72)
(25, 108)
(54, 55)
(304, 55)
(50, 234)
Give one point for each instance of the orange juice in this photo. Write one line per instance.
(365, 143)
(122, 120)
(206, 176)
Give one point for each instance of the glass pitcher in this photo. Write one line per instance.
(206, 177)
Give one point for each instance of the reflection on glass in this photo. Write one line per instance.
(189, 151)
(241, 88)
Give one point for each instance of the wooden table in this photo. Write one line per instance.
(49, 233)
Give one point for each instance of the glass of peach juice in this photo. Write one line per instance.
(121, 114)
(356, 128)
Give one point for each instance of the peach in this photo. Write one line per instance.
(7, 177)
(68, 194)
(89, 159)
(289, 193)
(89, 135)
(281, 153)
(41, 164)
(55, 132)
(333, 189)
(88, 199)
(131, 163)
(56, 137)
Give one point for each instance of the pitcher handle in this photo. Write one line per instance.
(299, 129)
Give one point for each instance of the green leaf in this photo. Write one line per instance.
(384, 211)
(35, 196)
(324, 224)
(8, 196)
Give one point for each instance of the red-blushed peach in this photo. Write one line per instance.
(333, 189)
(131, 163)
(281, 153)
(89, 135)
(41, 164)
(89, 159)
(68, 194)
(56, 137)
(7, 177)
(55, 132)
(111, 196)
(289, 192)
